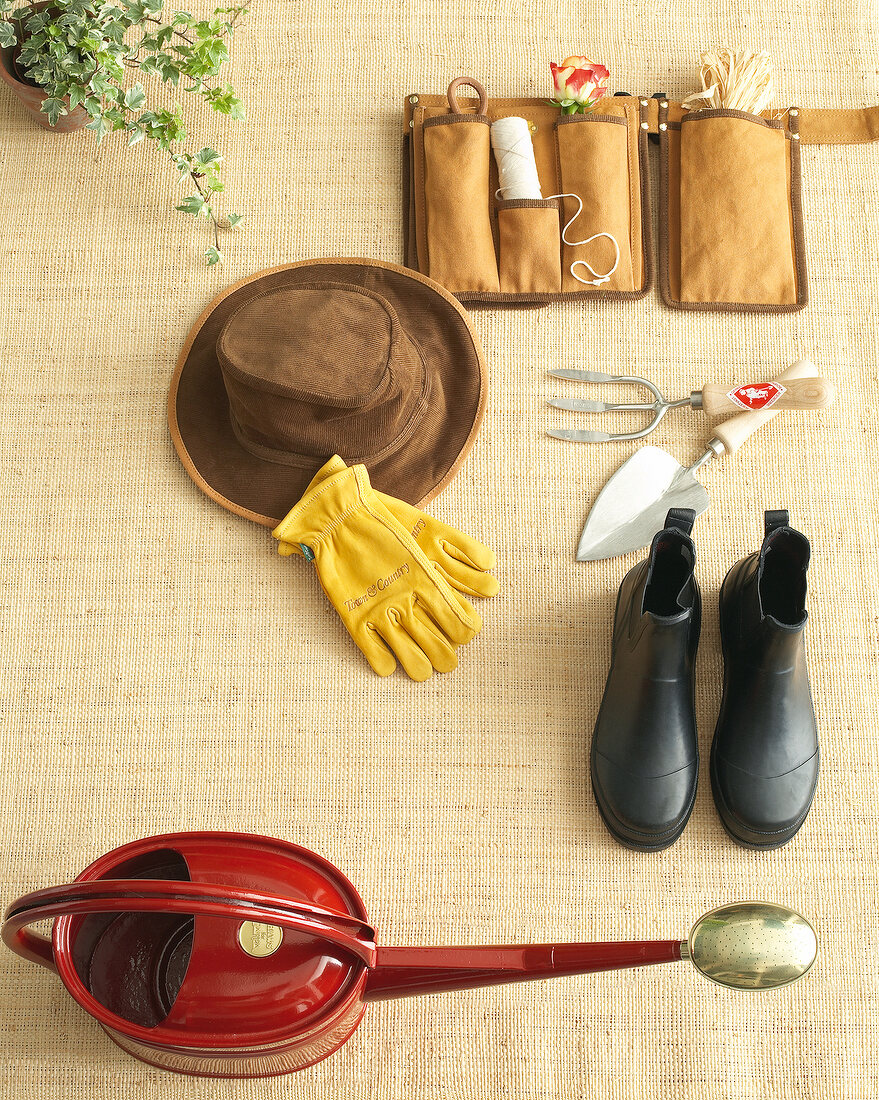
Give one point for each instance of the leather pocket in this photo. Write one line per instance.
(733, 214)
(596, 162)
(529, 259)
(460, 247)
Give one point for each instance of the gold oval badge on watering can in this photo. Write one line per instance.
(260, 940)
(232, 955)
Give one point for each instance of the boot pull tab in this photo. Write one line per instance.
(682, 519)
(775, 518)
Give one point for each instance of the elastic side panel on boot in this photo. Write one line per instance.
(782, 583)
(671, 570)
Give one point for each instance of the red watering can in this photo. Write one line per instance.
(232, 955)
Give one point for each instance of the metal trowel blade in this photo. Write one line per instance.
(632, 506)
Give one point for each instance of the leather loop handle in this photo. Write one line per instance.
(466, 82)
(682, 519)
(774, 518)
(163, 896)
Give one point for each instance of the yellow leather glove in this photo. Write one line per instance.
(462, 561)
(392, 600)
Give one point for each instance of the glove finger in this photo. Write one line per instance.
(380, 658)
(465, 549)
(415, 662)
(428, 636)
(466, 579)
(458, 623)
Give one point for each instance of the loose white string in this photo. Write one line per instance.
(514, 153)
(599, 279)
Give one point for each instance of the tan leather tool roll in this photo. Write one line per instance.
(732, 236)
(486, 249)
(730, 224)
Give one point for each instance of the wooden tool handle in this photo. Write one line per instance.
(799, 393)
(732, 433)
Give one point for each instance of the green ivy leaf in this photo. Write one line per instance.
(135, 98)
(101, 84)
(213, 256)
(206, 157)
(167, 69)
(225, 101)
(182, 164)
(234, 219)
(7, 35)
(99, 126)
(193, 204)
(54, 108)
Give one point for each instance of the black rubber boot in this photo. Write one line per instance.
(645, 759)
(764, 757)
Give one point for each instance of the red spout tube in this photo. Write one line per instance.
(405, 971)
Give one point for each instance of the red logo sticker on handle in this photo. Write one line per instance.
(756, 395)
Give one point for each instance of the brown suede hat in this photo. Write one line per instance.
(353, 357)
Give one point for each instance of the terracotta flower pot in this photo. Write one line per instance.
(32, 96)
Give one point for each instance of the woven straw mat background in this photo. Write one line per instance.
(164, 669)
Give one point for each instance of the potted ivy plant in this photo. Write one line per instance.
(70, 62)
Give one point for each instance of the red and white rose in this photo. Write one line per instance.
(579, 83)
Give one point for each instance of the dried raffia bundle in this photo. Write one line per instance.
(737, 81)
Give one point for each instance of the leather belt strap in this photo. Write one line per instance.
(818, 126)
(830, 127)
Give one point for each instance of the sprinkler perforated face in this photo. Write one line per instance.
(753, 945)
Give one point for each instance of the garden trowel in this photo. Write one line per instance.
(632, 506)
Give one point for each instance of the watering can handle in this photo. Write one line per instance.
(166, 896)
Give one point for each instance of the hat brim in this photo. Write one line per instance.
(264, 491)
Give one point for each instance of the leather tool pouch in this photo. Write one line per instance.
(731, 228)
(730, 225)
(485, 249)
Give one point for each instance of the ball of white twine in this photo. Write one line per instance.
(514, 153)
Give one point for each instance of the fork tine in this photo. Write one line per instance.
(576, 435)
(574, 404)
(584, 375)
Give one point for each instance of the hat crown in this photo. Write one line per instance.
(302, 364)
(253, 433)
